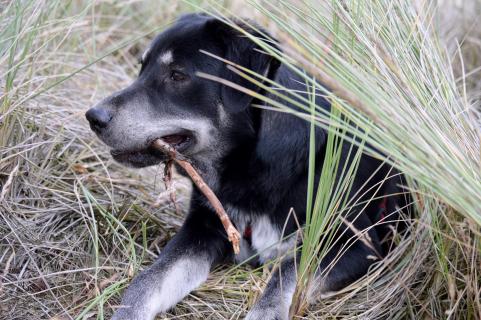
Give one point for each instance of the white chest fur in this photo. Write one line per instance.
(267, 239)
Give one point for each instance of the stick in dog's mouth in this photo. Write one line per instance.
(169, 149)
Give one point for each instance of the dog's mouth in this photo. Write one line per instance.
(178, 141)
(150, 156)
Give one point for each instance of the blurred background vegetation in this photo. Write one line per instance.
(75, 227)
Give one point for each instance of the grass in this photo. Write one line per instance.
(75, 226)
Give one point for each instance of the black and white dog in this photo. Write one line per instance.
(254, 159)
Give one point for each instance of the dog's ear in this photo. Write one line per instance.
(239, 49)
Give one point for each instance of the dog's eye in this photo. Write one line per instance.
(177, 76)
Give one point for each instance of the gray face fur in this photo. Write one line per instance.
(137, 123)
(162, 103)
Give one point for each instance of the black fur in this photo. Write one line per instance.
(259, 164)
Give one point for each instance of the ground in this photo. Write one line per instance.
(75, 227)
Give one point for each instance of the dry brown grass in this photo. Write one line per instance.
(75, 226)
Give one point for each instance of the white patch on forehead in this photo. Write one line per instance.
(166, 57)
(145, 54)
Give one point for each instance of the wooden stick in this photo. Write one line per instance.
(232, 233)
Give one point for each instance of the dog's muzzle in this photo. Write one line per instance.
(98, 118)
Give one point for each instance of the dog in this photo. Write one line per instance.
(254, 159)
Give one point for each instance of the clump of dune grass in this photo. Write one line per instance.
(75, 226)
(384, 68)
(460, 30)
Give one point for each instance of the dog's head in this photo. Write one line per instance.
(170, 101)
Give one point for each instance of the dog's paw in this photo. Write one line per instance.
(259, 313)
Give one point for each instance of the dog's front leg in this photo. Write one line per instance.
(343, 267)
(181, 267)
(276, 299)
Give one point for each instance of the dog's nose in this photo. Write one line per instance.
(98, 118)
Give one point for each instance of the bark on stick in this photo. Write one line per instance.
(232, 233)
